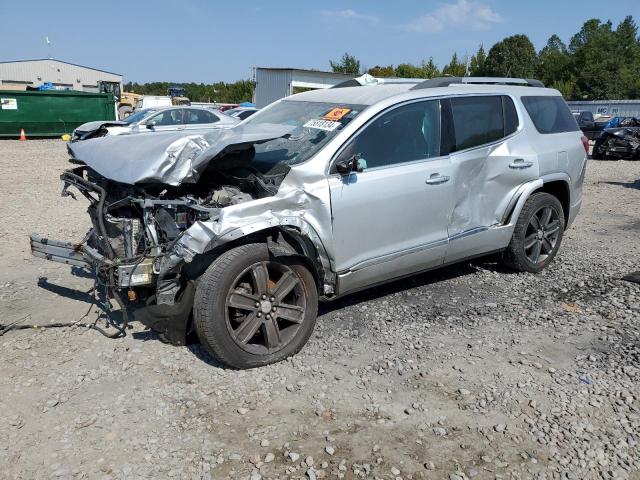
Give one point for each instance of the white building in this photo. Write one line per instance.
(614, 108)
(18, 75)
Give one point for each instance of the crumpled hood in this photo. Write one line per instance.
(170, 158)
(92, 126)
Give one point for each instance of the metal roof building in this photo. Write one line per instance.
(275, 83)
(18, 74)
(614, 108)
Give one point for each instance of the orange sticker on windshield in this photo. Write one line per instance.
(336, 114)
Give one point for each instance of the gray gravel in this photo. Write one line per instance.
(470, 372)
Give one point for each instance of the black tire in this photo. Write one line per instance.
(224, 301)
(520, 255)
(596, 153)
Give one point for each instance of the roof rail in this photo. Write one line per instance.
(446, 81)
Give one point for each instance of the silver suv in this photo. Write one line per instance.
(234, 235)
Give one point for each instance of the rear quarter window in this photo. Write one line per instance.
(550, 114)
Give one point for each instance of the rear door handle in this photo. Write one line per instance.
(520, 164)
(436, 179)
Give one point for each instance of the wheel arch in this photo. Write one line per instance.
(281, 240)
(558, 186)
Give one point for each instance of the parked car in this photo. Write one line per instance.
(156, 120)
(237, 234)
(590, 126)
(619, 143)
(241, 113)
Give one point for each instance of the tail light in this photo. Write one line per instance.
(585, 144)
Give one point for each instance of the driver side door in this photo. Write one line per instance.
(390, 219)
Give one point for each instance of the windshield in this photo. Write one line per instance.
(316, 122)
(138, 116)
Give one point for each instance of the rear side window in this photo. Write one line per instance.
(193, 116)
(550, 114)
(477, 120)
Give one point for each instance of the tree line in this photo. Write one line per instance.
(600, 62)
(221, 92)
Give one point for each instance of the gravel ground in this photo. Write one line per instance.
(468, 372)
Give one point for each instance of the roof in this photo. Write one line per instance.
(60, 61)
(372, 94)
(368, 95)
(305, 70)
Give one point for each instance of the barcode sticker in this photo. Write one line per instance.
(325, 125)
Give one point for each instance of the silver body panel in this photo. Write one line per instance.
(376, 225)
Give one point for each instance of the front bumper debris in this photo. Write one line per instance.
(80, 255)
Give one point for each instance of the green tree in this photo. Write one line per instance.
(455, 68)
(554, 64)
(477, 67)
(429, 69)
(426, 69)
(382, 72)
(514, 56)
(594, 63)
(347, 64)
(628, 49)
(236, 92)
(408, 70)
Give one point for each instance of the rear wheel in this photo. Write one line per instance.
(538, 234)
(251, 309)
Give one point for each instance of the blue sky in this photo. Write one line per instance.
(213, 40)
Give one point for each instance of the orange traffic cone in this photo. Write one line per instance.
(23, 137)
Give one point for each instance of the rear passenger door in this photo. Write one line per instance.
(195, 118)
(490, 161)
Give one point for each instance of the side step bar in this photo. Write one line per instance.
(64, 252)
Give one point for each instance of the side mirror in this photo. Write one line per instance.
(350, 165)
(150, 124)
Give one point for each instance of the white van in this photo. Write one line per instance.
(153, 101)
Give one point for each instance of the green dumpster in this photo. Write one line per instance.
(51, 113)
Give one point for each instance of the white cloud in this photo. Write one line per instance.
(463, 13)
(350, 15)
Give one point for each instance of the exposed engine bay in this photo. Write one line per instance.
(139, 223)
(163, 207)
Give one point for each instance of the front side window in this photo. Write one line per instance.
(167, 118)
(550, 114)
(405, 134)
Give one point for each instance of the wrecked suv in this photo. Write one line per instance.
(235, 235)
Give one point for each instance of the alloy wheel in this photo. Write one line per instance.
(542, 235)
(265, 307)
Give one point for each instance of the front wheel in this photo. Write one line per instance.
(597, 152)
(252, 309)
(537, 236)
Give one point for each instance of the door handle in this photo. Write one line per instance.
(436, 179)
(520, 164)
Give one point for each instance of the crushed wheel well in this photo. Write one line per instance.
(287, 241)
(560, 190)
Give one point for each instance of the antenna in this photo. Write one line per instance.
(48, 42)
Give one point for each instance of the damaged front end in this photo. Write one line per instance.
(622, 143)
(139, 244)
